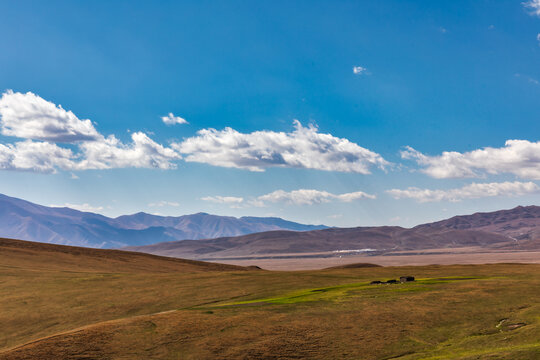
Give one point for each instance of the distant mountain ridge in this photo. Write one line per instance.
(383, 239)
(20, 219)
(515, 229)
(521, 224)
(225, 236)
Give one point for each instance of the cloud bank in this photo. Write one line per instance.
(303, 148)
(310, 197)
(52, 138)
(471, 191)
(28, 116)
(34, 156)
(295, 197)
(43, 125)
(110, 153)
(518, 157)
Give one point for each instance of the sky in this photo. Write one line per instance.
(344, 113)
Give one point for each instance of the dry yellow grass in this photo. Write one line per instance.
(60, 304)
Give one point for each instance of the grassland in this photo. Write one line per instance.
(71, 303)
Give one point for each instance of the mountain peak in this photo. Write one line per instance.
(24, 220)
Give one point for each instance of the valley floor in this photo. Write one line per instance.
(99, 304)
(290, 262)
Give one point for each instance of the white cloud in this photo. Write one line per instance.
(233, 200)
(519, 157)
(529, 78)
(32, 118)
(471, 191)
(534, 6)
(74, 176)
(359, 70)
(295, 197)
(143, 152)
(310, 197)
(29, 116)
(170, 119)
(81, 207)
(305, 148)
(42, 157)
(164, 203)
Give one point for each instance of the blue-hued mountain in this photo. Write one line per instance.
(20, 219)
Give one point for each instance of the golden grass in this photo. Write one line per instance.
(91, 305)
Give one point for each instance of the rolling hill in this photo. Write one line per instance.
(41, 256)
(22, 219)
(62, 302)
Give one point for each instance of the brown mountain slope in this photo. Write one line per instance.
(521, 224)
(515, 229)
(380, 239)
(36, 256)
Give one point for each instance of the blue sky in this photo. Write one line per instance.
(418, 132)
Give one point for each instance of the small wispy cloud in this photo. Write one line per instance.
(74, 176)
(529, 78)
(443, 30)
(171, 119)
(164, 203)
(294, 197)
(471, 191)
(311, 196)
(533, 6)
(360, 70)
(81, 207)
(224, 199)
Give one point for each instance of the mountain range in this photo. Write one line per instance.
(20, 219)
(205, 236)
(515, 229)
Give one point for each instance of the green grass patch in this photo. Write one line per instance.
(341, 292)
